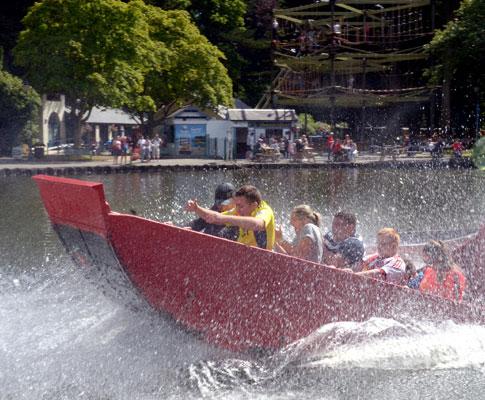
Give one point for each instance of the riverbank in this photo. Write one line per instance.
(105, 165)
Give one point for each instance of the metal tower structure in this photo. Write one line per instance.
(351, 55)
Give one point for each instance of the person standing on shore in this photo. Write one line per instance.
(329, 144)
(146, 148)
(116, 149)
(156, 143)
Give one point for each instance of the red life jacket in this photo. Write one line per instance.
(451, 288)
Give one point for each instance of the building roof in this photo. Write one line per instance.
(241, 114)
(110, 116)
(240, 104)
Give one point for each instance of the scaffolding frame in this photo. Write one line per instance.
(353, 54)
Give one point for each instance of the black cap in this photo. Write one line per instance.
(224, 192)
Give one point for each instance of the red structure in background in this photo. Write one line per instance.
(238, 297)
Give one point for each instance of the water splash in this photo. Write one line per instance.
(377, 347)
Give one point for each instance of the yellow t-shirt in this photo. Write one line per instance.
(264, 239)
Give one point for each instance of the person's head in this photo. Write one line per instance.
(343, 225)
(302, 215)
(388, 242)
(223, 197)
(410, 267)
(435, 253)
(247, 199)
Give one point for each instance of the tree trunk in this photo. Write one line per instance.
(446, 105)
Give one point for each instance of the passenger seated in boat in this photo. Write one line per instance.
(222, 202)
(442, 276)
(342, 248)
(414, 276)
(251, 214)
(386, 263)
(308, 242)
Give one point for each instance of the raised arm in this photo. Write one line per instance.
(247, 223)
(214, 217)
(204, 213)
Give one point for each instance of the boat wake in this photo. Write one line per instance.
(377, 347)
(61, 338)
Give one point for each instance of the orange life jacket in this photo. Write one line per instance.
(451, 288)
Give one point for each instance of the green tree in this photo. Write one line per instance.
(478, 153)
(96, 52)
(458, 52)
(307, 123)
(241, 30)
(191, 71)
(19, 112)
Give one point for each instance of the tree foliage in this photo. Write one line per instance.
(460, 44)
(96, 52)
(312, 126)
(190, 71)
(478, 154)
(111, 53)
(458, 52)
(19, 112)
(211, 16)
(242, 31)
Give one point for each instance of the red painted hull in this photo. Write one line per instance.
(238, 297)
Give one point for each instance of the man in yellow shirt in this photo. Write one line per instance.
(251, 214)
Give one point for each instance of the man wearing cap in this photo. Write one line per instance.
(252, 215)
(222, 202)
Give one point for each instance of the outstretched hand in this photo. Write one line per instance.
(192, 205)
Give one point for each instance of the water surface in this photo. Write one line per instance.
(62, 339)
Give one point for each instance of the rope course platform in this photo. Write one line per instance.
(351, 53)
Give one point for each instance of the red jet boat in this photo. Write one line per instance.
(238, 297)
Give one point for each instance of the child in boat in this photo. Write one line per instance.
(386, 263)
(442, 276)
(308, 243)
(414, 276)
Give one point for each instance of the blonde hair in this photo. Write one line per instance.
(390, 234)
(305, 211)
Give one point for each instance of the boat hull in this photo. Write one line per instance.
(238, 297)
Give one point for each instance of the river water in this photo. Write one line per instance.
(62, 339)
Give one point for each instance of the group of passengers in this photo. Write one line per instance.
(243, 215)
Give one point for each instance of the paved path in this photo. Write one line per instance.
(9, 166)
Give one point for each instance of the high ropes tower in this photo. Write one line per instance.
(344, 58)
